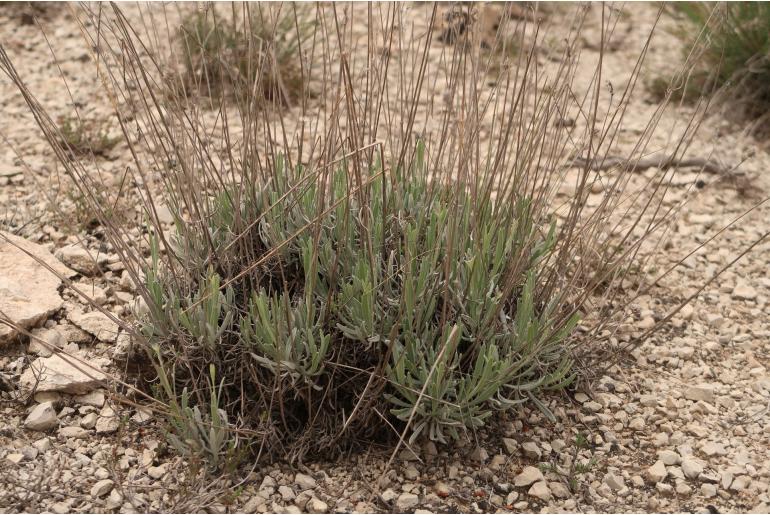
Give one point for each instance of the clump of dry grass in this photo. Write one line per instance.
(260, 56)
(728, 45)
(83, 138)
(391, 263)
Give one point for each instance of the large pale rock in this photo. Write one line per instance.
(55, 374)
(28, 290)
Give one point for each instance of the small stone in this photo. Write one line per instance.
(581, 397)
(683, 489)
(691, 468)
(531, 450)
(53, 397)
(388, 495)
(101, 488)
(73, 432)
(740, 483)
(304, 482)
(43, 341)
(708, 490)
(541, 491)
(700, 393)
(92, 292)
(649, 401)
(511, 445)
(165, 216)
(669, 457)
(657, 472)
(15, 458)
(646, 323)
(479, 454)
(637, 423)
(287, 493)
(559, 490)
(42, 418)
(429, 449)
(95, 398)
(108, 421)
(592, 406)
(157, 472)
(614, 481)
(78, 258)
(29, 452)
(713, 449)
(743, 291)
(528, 476)
(411, 473)
(42, 445)
(142, 416)
(407, 501)
(442, 489)
(88, 421)
(316, 505)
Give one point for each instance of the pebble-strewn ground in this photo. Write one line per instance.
(683, 425)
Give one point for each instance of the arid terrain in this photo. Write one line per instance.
(681, 424)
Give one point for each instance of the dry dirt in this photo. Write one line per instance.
(682, 426)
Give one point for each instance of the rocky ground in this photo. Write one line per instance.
(682, 425)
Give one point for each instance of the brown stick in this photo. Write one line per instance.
(665, 162)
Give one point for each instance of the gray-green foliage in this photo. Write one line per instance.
(422, 289)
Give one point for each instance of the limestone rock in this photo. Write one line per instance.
(95, 399)
(614, 481)
(669, 457)
(42, 418)
(101, 488)
(700, 393)
(43, 340)
(78, 258)
(743, 291)
(59, 374)
(304, 482)
(316, 505)
(511, 445)
(531, 450)
(657, 472)
(541, 491)
(528, 476)
(108, 421)
(28, 290)
(73, 432)
(157, 472)
(95, 323)
(406, 501)
(691, 468)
